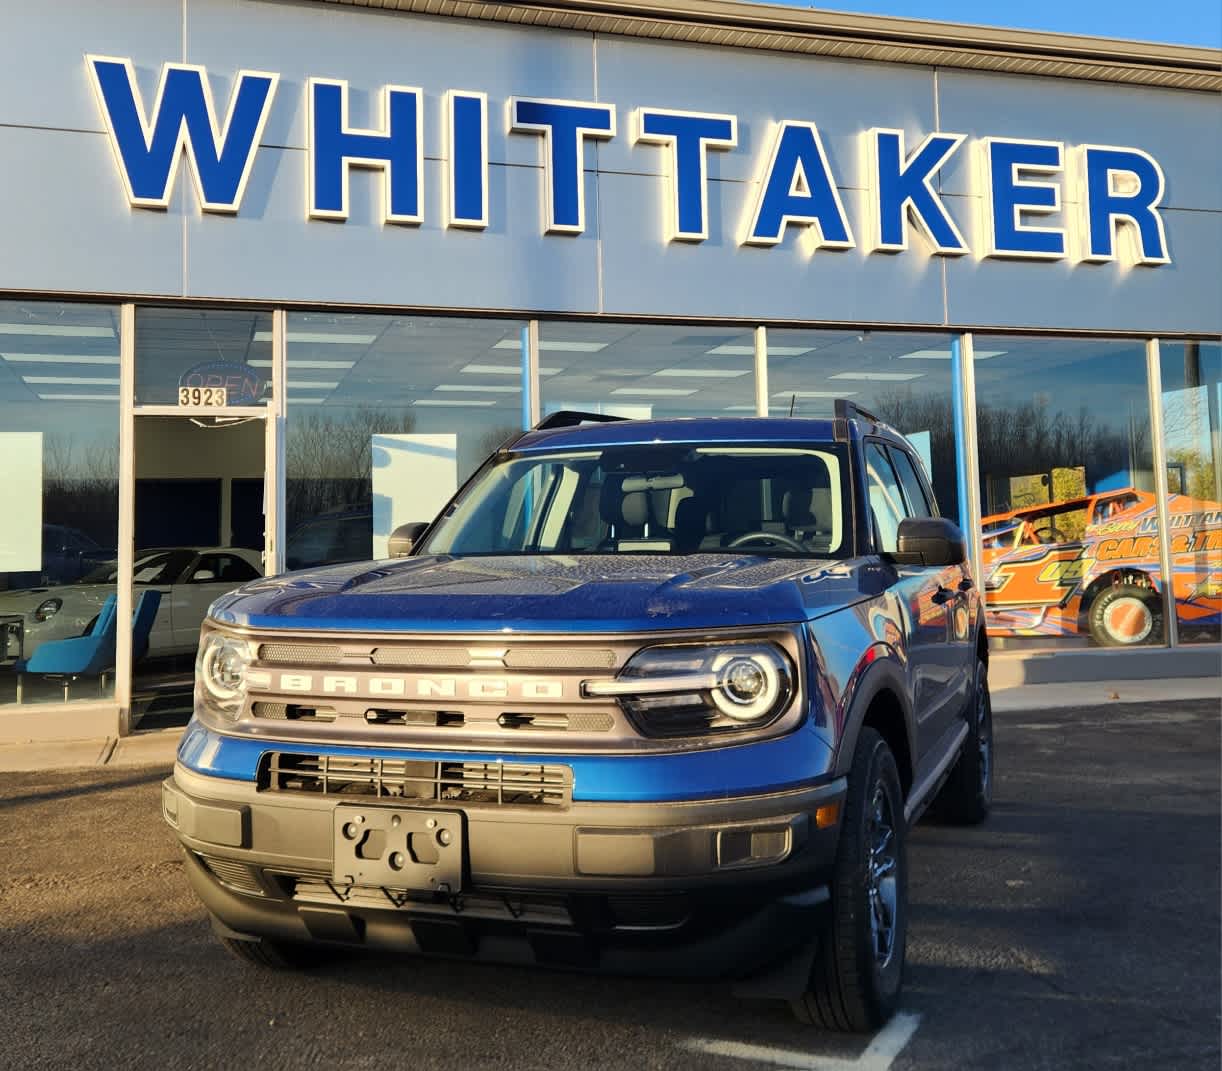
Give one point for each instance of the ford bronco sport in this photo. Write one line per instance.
(646, 696)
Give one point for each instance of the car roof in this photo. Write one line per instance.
(787, 430)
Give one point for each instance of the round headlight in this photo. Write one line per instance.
(221, 669)
(48, 608)
(750, 683)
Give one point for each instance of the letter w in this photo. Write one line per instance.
(183, 117)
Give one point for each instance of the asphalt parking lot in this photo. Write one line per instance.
(1078, 928)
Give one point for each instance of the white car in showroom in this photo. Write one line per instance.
(189, 579)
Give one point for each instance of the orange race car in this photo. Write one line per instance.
(1092, 565)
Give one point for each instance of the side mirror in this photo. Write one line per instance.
(404, 538)
(203, 576)
(930, 541)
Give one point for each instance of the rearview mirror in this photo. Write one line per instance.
(404, 538)
(930, 541)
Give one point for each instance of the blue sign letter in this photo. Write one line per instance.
(184, 117)
(797, 187)
(1007, 198)
(905, 189)
(564, 124)
(689, 136)
(466, 117)
(1108, 170)
(398, 149)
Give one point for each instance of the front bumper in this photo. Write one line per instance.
(703, 887)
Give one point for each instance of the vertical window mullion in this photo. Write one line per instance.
(1154, 382)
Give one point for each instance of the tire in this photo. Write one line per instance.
(1125, 615)
(966, 797)
(276, 955)
(852, 986)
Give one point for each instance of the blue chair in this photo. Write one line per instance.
(92, 654)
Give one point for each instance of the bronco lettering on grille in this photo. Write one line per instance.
(409, 686)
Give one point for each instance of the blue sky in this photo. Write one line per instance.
(1182, 22)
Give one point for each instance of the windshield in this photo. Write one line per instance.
(654, 499)
(151, 567)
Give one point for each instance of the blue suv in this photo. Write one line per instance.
(647, 696)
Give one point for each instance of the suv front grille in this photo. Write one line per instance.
(497, 783)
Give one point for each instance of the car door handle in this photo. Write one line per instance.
(943, 596)
(966, 584)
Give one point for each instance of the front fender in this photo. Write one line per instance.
(883, 672)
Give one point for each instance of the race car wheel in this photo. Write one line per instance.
(968, 793)
(855, 981)
(1125, 615)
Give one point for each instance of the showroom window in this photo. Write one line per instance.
(204, 352)
(387, 416)
(1070, 530)
(644, 371)
(59, 415)
(904, 379)
(1192, 435)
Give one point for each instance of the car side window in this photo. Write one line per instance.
(227, 568)
(918, 504)
(886, 499)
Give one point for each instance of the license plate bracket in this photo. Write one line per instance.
(410, 849)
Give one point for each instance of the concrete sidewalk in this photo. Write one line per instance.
(157, 748)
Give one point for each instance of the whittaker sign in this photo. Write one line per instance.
(1113, 214)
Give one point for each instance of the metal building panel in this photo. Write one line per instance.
(68, 227)
(270, 251)
(1171, 298)
(644, 274)
(372, 50)
(1181, 130)
(841, 97)
(43, 80)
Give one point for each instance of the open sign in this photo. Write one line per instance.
(237, 384)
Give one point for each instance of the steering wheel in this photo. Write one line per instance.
(1050, 534)
(767, 537)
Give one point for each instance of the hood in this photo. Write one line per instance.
(551, 593)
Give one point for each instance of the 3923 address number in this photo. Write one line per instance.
(216, 397)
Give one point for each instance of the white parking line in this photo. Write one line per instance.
(879, 1055)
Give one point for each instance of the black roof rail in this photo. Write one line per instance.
(846, 410)
(571, 418)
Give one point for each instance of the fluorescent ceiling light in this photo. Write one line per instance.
(815, 393)
(944, 355)
(298, 385)
(345, 365)
(59, 330)
(655, 392)
(555, 346)
(480, 388)
(465, 402)
(76, 381)
(503, 370)
(58, 358)
(305, 401)
(79, 397)
(749, 351)
(333, 337)
(882, 377)
(709, 373)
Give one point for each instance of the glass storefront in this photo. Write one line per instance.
(59, 439)
(903, 379)
(1191, 392)
(647, 371)
(386, 415)
(1066, 469)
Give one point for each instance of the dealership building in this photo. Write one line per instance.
(279, 274)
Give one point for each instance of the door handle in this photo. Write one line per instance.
(943, 595)
(966, 584)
